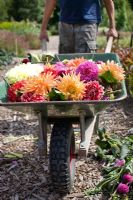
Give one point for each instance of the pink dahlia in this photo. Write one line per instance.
(88, 71)
(119, 163)
(60, 68)
(30, 97)
(127, 178)
(94, 91)
(122, 188)
(15, 91)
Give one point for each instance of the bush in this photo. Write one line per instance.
(33, 41)
(6, 58)
(11, 42)
(21, 28)
(19, 36)
(3, 10)
(26, 9)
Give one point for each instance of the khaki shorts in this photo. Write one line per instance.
(77, 38)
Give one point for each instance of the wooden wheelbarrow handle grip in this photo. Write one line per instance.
(109, 45)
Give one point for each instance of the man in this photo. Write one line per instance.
(78, 23)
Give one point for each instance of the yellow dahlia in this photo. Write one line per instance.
(111, 72)
(40, 85)
(75, 62)
(71, 87)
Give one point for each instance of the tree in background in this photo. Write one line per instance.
(121, 15)
(131, 3)
(122, 12)
(26, 9)
(4, 6)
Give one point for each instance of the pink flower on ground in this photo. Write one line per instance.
(94, 91)
(88, 71)
(122, 188)
(127, 178)
(119, 163)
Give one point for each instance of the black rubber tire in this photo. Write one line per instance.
(62, 156)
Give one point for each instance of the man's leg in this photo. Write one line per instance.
(85, 38)
(66, 38)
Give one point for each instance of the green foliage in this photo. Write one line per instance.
(108, 146)
(56, 95)
(21, 27)
(116, 152)
(22, 31)
(43, 58)
(13, 43)
(131, 3)
(121, 15)
(26, 9)
(129, 11)
(5, 57)
(126, 57)
(3, 10)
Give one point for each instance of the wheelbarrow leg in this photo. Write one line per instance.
(42, 143)
(87, 128)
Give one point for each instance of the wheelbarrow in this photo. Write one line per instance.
(62, 117)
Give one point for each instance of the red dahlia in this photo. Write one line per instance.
(30, 97)
(14, 91)
(94, 91)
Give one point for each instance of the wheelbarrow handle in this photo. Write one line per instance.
(44, 45)
(109, 45)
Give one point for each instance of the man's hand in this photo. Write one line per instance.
(109, 4)
(48, 10)
(112, 32)
(44, 35)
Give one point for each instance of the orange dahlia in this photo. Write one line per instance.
(111, 72)
(40, 85)
(71, 87)
(75, 62)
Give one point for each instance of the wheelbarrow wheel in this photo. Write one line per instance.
(62, 156)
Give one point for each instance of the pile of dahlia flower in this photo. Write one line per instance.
(115, 156)
(68, 80)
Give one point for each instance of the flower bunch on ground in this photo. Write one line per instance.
(116, 155)
(68, 80)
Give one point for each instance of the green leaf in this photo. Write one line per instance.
(56, 95)
(108, 77)
(92, 191)
(101, 133)
(13, 155)
(105, 182)
(129, 166)
(47, 57)
(130, 138)
(99, 153)
(102, 144)
(124, 151)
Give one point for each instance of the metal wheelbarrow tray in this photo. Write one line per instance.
(63, 115)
